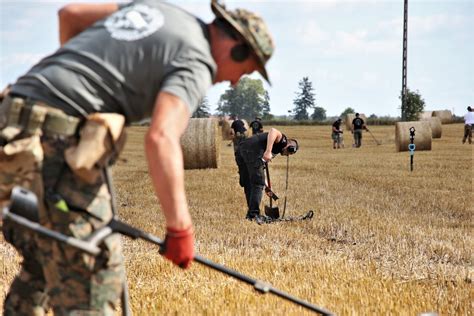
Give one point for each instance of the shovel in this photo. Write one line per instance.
(271, 211)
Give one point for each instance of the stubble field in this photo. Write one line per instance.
(383, 240)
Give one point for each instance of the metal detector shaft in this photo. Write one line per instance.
(286, 185)
(74, 242)
(260, 286)
(91, 245)
(375, 139)
(268, 186)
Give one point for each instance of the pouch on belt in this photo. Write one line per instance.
(101, 140)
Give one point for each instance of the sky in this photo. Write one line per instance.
(351, 50)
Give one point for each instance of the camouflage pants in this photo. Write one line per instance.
(54, 275)
(467, 133)
(358, 137)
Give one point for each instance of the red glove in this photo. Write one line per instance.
(179, 246)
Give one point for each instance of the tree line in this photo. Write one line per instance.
(249, 99)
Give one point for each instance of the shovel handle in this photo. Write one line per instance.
(268, 180)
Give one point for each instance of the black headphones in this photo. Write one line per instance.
(292, 148)
(240, 52)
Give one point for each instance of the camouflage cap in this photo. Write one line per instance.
(252, 29)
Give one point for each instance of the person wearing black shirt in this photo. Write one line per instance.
(251, 157)
(238, 131)
(337, 134)
(256, 126)
(358, 125)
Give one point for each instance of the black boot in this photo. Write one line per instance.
(252, 214)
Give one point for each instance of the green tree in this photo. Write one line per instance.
(319, 114)
(202, 109)
(348, 110)
(305, 99)
(414, 105)
(266, 115)
(245, 100)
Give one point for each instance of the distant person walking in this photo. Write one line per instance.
(468, 125)
(237, 130)
(256, 126)
(358, 125)
(337, 134)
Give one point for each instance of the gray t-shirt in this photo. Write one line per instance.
(122, 62)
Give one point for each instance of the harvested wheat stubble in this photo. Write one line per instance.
(436, 126)
(425, 115)
(226, 135)
(201, 144)
(422, 135)
(350, 117)
(445, 116)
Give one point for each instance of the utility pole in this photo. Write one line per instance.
(404, 63)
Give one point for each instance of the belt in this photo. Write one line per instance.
(20, 115)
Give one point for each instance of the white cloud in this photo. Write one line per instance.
(311, 33)
(20, 59)
(370, 78)
(433, 23)
(358, 41)
(424, 25)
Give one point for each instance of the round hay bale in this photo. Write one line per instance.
(425, 115)
(422, 135)
(436, 127)
(445, 116)
(201, 144)
(350, 117)
(226, 135)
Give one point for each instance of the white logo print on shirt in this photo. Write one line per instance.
(134, 22)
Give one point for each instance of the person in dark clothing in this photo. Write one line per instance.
(251, 157)
(337, 134)
(256, 126)
(238, 130)
(358, 125)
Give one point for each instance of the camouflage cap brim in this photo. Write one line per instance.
(221, 12)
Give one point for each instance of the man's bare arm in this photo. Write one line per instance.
(75, 18)
(274, 135)
(165, 158)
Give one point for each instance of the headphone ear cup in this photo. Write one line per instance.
(240, 52)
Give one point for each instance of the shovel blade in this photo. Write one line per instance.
(272, 212)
